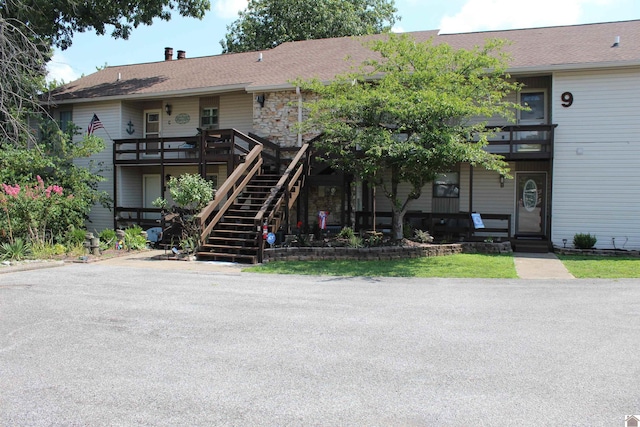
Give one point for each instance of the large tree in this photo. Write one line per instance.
(22, 70)
(29, 29)
(56, 21)
(411, 114)
(264, 24)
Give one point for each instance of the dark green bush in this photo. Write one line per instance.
(75, 236)
(584, 241)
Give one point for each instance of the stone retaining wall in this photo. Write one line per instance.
(381, 252)
(597, 252)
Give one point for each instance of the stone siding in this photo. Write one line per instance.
(381, 252)
(276, 120)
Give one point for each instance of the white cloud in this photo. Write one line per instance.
(58, 69)
(229, 8)
(481, 15)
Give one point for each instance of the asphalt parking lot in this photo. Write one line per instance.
(107, 345)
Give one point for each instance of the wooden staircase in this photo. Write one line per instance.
(235, 238)
(249, 200)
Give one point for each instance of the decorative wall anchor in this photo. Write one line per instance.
(130, 129)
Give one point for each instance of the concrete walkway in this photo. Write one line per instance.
(540, 266)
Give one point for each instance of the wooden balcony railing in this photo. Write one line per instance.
(225, 145)
(522, 141)
(275, 210)
(440, 225)
(230, 189)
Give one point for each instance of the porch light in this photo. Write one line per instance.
(167, 109)
(260, 99)
(501, 181)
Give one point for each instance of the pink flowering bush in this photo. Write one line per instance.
(35, 212)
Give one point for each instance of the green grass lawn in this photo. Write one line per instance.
(599, 267)
(460, 265)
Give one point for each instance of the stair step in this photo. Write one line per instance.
(224, 235)
(212, 256)
(240, 218)
(530, 245)
(228, 241)
(229, 249)
(226, 224)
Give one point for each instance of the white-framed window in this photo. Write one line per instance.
(447, 185)
(66, 117)
(209, 118)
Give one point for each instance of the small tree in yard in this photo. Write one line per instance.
(412, 114)
(190, 193)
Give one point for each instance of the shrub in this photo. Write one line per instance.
(584, 241)
(407, 230)
(422, 236)
(356, 242)
(133, 238)
(47, 250)
(373, 239)
(107, 237)
(189, 191)
(14, 251)
(75, 236)
(346, 233)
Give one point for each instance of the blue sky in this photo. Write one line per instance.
(201, 38)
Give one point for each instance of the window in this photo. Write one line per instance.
(537, 108)
(152, 131)
(447, 185)
(65, 118)
(209, 118)
(213, 179)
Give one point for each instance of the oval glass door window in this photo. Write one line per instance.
(530, 195)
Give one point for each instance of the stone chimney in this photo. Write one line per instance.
(168, 53)
(182, 54)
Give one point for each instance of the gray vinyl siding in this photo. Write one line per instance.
(597, 152)
(185, 107)
(130, 186)
(132, 113)
(488, 196)
(423, 204)
(236, 111)
(109, 114)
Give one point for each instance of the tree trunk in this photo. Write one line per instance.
(397, 221)
(397, 208)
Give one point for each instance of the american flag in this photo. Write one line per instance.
(94, 124)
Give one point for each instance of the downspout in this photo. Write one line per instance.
(299, 93)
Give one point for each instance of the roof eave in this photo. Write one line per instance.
(158, 95)
(537, 69)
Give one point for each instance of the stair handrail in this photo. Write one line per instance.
(232, 187)
(287, 182)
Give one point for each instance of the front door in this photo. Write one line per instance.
(152, 130)
(151, 190)
(531, 194)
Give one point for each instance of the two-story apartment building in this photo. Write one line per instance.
(574, 154)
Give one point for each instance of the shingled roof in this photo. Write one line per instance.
(532, 50)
